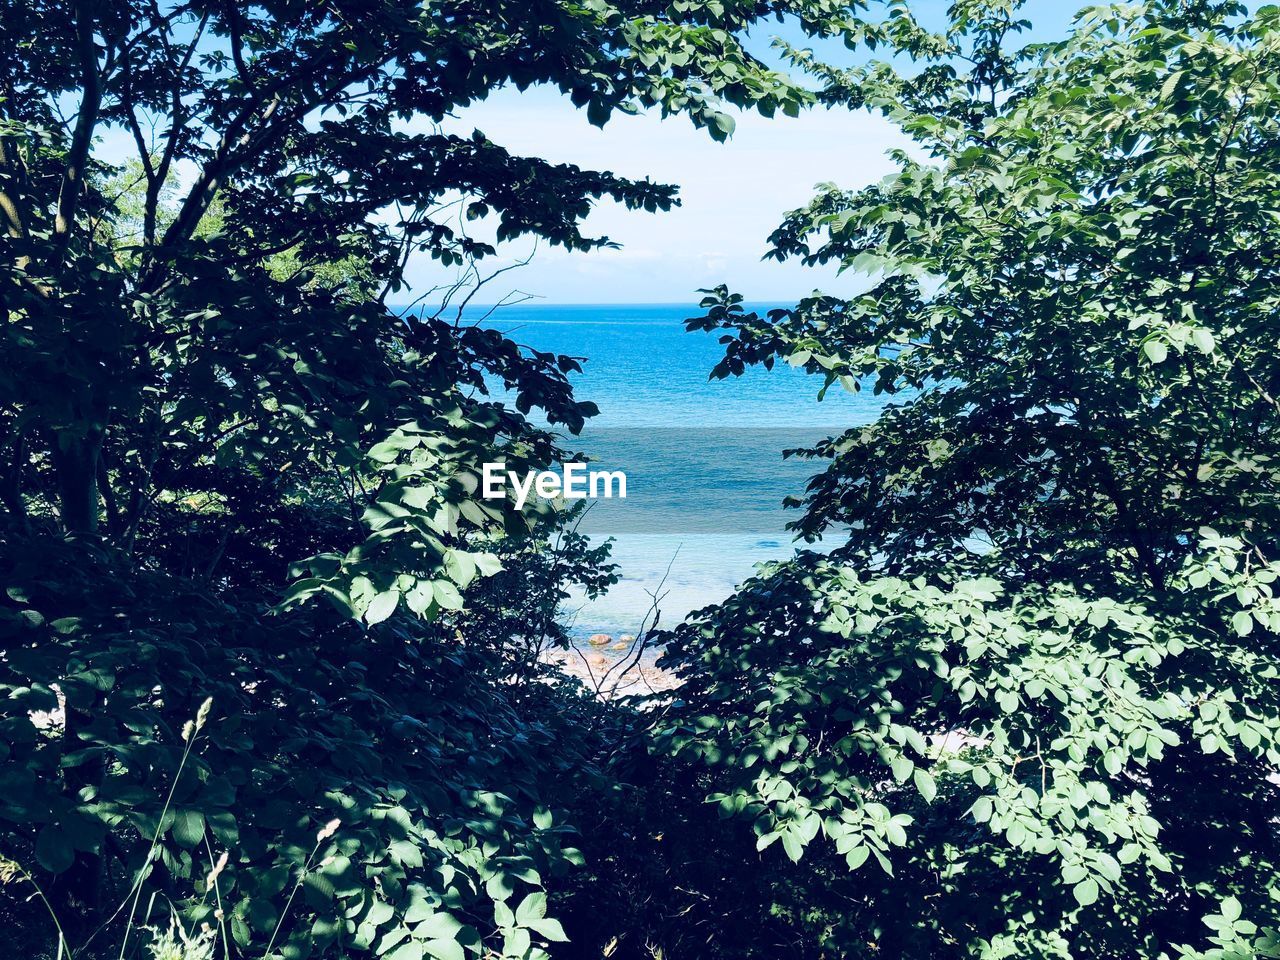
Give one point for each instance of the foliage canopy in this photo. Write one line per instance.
(210, 415)
(1035, 679)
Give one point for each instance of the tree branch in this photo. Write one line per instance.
(91, 101)
(239, 144)
(11, 161)
(235, 24)
(178, 121)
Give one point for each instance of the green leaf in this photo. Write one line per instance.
(409, 950)
(550, 929)
(925, 784)
(379, 913)
(443, 949)
(436, 926)
(1086, 892)
(447, 595)
(188, 828)
(382, 606)
(503, 915)
(515, 943)
(487, 564)
(460, 566)
(857, 856)
(1203, 340)
(499, 887)
(385, 452)
(532, 907)
(1231, 909)
(53, 849)
(895, 834)
(981, 809)
(420, 597)
(792, 845)
(722, 126)
(598, 113)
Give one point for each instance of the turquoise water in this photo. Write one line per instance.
(705, 471)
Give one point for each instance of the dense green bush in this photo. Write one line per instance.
(382, 773)
(1030, 696)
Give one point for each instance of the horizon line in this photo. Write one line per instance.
(582, 303)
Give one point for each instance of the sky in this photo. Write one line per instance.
(732, 194)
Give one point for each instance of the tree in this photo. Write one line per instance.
(1033, 680)
(201, 383)
(295, 122)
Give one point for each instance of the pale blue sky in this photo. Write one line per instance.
(733, 194)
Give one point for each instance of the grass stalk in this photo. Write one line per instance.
(190, 732)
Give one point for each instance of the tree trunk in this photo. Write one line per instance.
(77, 893)
(76, 463)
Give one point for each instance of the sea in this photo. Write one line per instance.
(704, 459)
